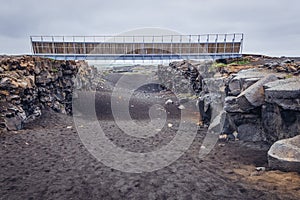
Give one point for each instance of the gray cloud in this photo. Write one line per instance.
(270, 27)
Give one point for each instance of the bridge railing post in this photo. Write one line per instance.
(189, 50)
(171, 56)
(124, 48)
(152, 47)
(42, 49)
(207, 44)
(198, 45)
(53, 47)
(31, 48)
(162, 47)
(84, 46)
(180, 47)
(233, 46)
(242, 45)
(216, 44)
(144, 51)
(133, 47)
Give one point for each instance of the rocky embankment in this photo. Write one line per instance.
(262, 100)
(30, 84)
(181, 77)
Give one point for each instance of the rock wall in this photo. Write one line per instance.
(262, 101)
(183, 76)
(30, 84)
(262, 106)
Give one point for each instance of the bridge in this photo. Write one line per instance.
(138, 47)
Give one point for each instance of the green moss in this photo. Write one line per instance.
(217, 65)
(106, 72)
(289, 76)
(240, 62)
(54, 70)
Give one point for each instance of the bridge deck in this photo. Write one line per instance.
(143, 47)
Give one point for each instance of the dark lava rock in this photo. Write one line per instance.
(285, 155)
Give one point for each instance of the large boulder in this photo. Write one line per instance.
(231, 106)
(251, 132)
(272, 122)
(11, 117)
(250, 98)
(285, 155)
(245, 78)
(254, 95)
(285, 93)
(279, 123)
(211, 98)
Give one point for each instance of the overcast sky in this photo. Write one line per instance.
(271, 27)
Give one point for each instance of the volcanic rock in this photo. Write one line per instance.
(285, 155)
(285, 93)
(29, 84)
(254, 95)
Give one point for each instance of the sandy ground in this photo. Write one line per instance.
(47, 160)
